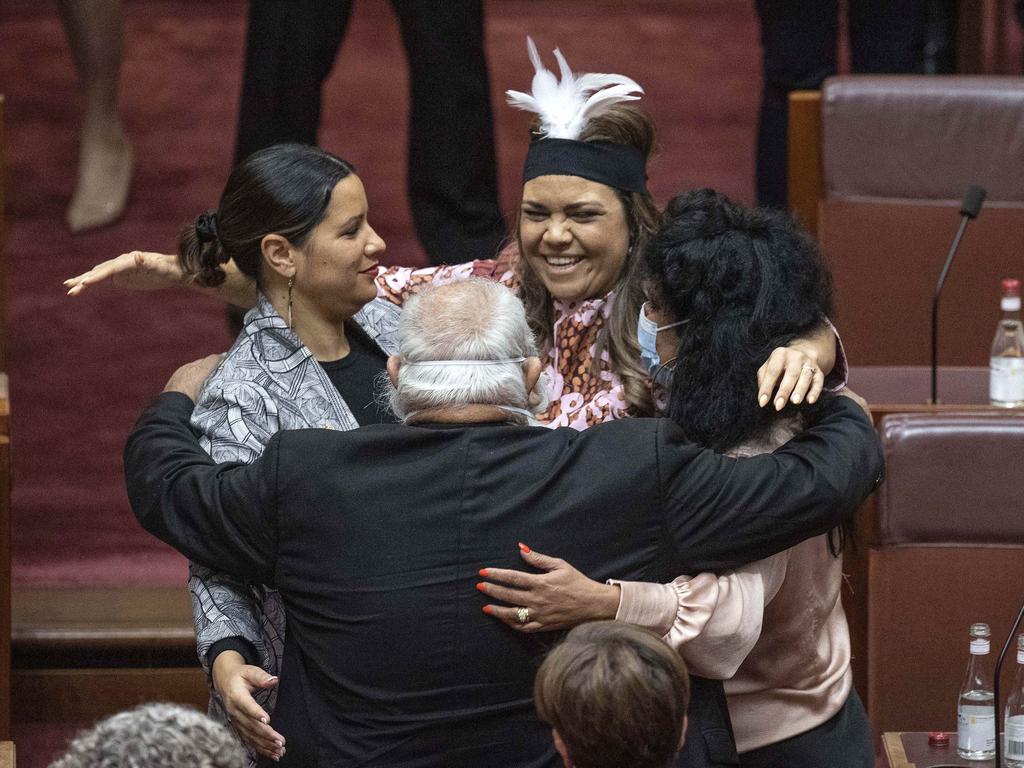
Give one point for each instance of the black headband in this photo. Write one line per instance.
(614, 165)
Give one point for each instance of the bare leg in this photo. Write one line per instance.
(105, 156)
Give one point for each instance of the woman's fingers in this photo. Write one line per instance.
(793, 377)
(103, 271)
(256, 734)
(511, 617)
(509, 577)
(250, 719)
(802, 388)
(538, 560)
(817, 385)
(768, 374)
(498, 592)
(252, 722)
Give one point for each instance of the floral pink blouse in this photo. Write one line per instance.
(579, 397)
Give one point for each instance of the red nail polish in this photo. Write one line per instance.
(524, 548)
(485, 573)
(482, 587)
(488, 610)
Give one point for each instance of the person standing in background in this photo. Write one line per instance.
(799, 41)
(93, 28)
(452, 180)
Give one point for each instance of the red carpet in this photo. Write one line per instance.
(81, 370)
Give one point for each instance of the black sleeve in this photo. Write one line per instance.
(244, 647)
(724, 512)
(221, 515)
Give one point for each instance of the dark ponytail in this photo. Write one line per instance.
(284, 190)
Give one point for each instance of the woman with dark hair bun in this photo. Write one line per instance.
(725, 286)
(294, 219)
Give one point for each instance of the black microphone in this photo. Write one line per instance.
(995, 682)
(969, 209)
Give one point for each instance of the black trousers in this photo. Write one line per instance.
(799, 42)
(453, 191)
(844, 741)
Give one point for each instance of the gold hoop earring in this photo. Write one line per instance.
(291, 284)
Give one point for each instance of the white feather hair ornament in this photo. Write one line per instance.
(565, 107)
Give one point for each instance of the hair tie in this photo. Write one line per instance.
(206, 227)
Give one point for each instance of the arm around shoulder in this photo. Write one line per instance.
(218, 515)
(724, 512)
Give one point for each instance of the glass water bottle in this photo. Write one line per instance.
(1006, 372)
(975, 712)
(1013, 724)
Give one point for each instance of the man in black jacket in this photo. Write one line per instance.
(374, 537)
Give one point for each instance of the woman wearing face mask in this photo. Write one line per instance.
(743, 282)
(584, 219)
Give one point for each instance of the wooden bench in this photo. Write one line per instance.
(80, 653)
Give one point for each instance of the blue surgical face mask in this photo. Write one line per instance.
(647, 335)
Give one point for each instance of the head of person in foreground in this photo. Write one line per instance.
(154, 735)
(615, 695)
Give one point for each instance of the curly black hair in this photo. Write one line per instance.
(746, 281)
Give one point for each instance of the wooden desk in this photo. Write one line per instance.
(907, 388)
(910, 749)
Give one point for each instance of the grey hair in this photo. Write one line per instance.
(154, 735)
(472, 319)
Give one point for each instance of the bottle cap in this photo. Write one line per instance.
(980, 630)
(938, 739)
(1011, 286)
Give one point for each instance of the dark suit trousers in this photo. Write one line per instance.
(453, 194)
(799, 41)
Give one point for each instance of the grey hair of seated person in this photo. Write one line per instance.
(470, 320)
(154, 735)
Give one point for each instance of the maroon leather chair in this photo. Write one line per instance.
(949, 552)
(878, 165)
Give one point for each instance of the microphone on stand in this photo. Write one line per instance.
(969, 209)
(995, 684)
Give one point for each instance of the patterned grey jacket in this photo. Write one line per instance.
(268, 381)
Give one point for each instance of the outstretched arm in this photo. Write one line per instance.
(148, 271)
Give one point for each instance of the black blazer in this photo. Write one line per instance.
(374, 538)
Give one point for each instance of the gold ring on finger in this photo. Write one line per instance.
(523, 615)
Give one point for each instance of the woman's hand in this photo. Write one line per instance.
(561, 598)
(135, 271)
(235, 681)
(146, 271)
(796, 372)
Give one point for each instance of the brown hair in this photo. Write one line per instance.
(616, 694)
(621, 124)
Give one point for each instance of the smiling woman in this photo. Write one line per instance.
(293, 219)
